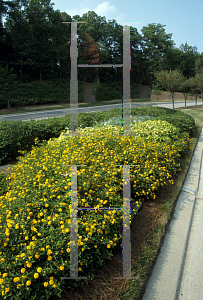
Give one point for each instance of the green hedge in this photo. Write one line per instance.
(19, 135)
(58, 91)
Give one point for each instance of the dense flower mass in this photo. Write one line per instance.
(35, 214)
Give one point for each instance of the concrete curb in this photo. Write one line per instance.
(165, 280)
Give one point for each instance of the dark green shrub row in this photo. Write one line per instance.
(114, 90)
(58, 91)
(46, 92)
(19, 135)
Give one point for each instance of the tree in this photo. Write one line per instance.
(36, 44)
(30, 32)
(171, 81)
(199, 76)
(109, 37)
(39, 13)
(8, 82)
(90, 53)
(189, 56)
(193, 88)
(114, 44)
(172, 60)
(198, 65)
(185, 88)
(95, 26)
(18, 30)
(4, 6)
(155, 43)
(199, 84)
(156, 90)
(61, 43)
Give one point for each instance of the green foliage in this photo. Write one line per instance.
(188, 57)
(46, 92)
(37, 44)
(157, 90)
(184, 122)
(18, 135)
(8, 82)
(35, 216)
(96, 85)
(114, 90)
(171, 81)
(155, 45)
(3, 184)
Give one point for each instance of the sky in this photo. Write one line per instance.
(183, 18)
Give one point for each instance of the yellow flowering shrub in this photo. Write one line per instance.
(35, 213)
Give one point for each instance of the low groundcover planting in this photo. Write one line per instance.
(35, 211)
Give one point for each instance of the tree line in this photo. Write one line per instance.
(35, 45)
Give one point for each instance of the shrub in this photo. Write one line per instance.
(18, 135)
(3, 184)
(35, 212)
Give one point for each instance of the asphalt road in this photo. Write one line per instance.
(45, 114)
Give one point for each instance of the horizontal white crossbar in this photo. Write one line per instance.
(96, 66)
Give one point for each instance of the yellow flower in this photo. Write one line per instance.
(39, 269)
(37, 255)
(28, 283)
(68, 249)
(61, 268)
(5, 274)
(49, 252)
(23, 270)
(26, 238)
(95, 246)
(49, 258)
(36, 275)
(16, 279)
(46, 284)
(108, 246)
(18, 286)
(29, 265)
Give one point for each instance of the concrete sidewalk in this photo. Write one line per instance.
(178, 271)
